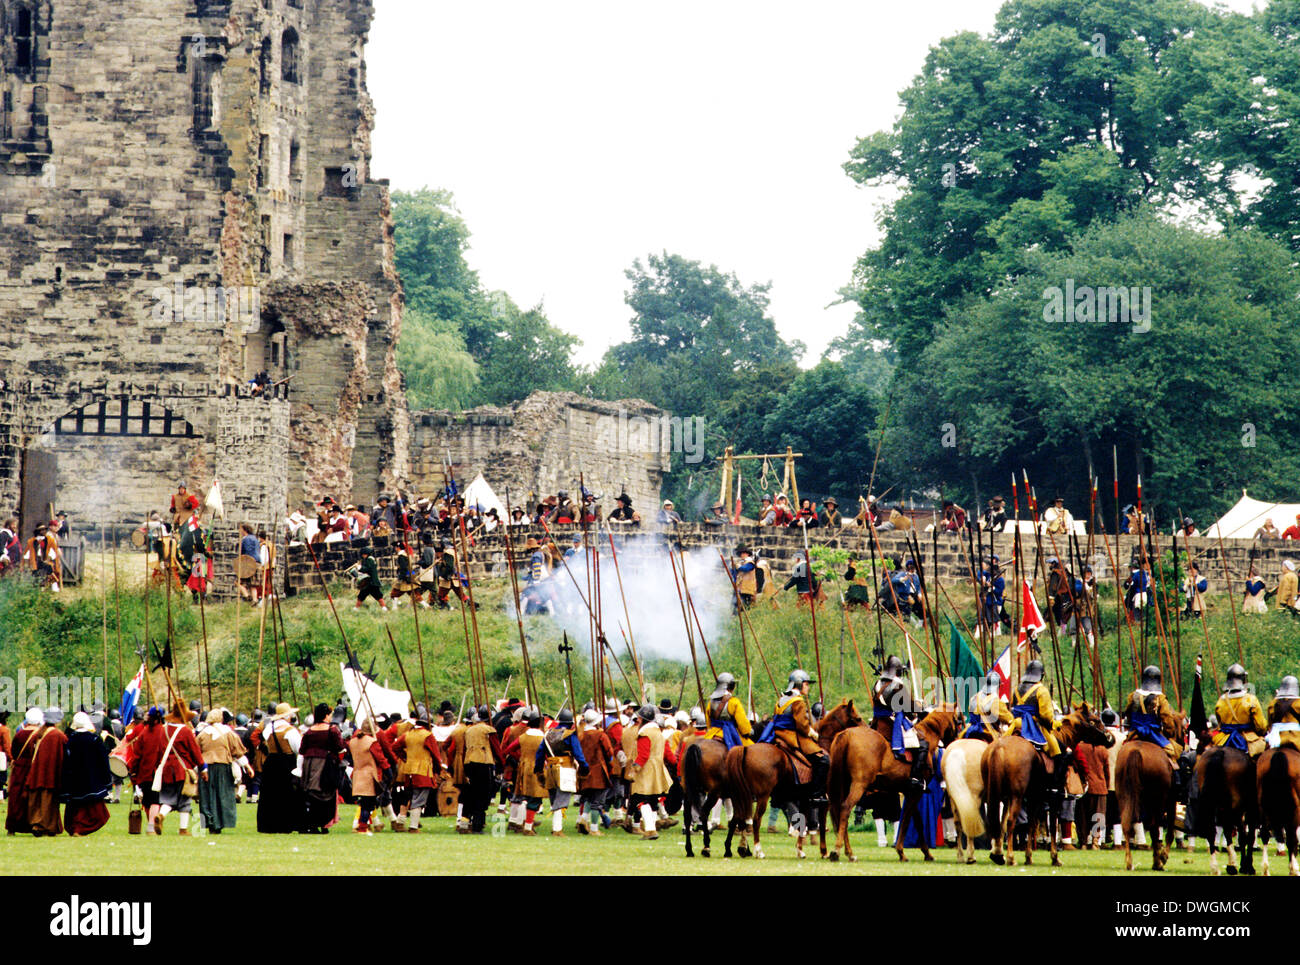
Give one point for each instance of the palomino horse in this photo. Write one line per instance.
(1227, 798)
(1277, 778)
(1015, 776)
(759, 772)
(704, 783)
(1144, 789)
(862, 762)
(961, 773)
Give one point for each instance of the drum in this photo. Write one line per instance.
(138, 538)
(246, 567)
(117, 765)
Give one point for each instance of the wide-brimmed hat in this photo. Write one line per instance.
(532, 544)
(829, 501)
(283, 709)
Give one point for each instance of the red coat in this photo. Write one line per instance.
(45, 769)
(152, 744)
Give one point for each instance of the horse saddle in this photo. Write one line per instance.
(799, 764)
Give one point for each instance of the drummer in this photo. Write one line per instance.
(248, 566)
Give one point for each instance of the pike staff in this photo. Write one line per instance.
(1227, 578)
(529, 682)
(699, 685)
(631, 638)
(103, 593)
(812, 608)
(117, 606)
(401, 669)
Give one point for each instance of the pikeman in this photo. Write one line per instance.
(593, 787)
(428, 572)
(421, 763)
(1284, 715)
(530, 787)
(1031, 705)
(647, 773)
(793, 726)
(745, 572)
(482, 755)
(994, 593)
(727, 721)
(561, 749)
(989, 716)
(1194, 587)
(1149, 716)
(1242, 723)
(449, 577)
(891, 716)
(407, 581)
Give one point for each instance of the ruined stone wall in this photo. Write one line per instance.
(543, 444)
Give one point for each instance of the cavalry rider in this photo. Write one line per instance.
(726, 715)
(1242, 723)
(989, 716)
(1284, 715)
(1150, 716)
(792, 725)
(1032, 708)
(891, 703)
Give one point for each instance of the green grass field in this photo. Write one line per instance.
(438, 850)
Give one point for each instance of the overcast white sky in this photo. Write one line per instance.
(577, 136)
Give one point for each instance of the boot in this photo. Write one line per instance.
(414, 820)
(648, 831)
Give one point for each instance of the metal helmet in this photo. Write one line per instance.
(1236, 677)
(534, 717)
(1109, 718)
(647, 713)
(893, 668)
(1033, 672)
(565, 717)
(1152, 680)
(698, 718)
(797, 679)
(992, 681)
(485, 714)
(1289, 687)
(242, 720)
(818, 711)
(589, 705)
(725, 681)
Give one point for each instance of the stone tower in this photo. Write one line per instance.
(185, 203)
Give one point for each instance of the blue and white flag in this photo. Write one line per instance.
(131, 695)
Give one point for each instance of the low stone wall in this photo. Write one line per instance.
(780, 546)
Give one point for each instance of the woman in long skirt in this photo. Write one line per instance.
(279, 804)
(86, 779)
(222, 749)
(322, 751)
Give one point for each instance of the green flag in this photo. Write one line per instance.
(965, 665)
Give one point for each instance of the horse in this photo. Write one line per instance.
(1227, 798)
(757, 772)
(1015, 776)
(1277, 782)
(704, 783)
(1144, 789)
(961, 773)
(863, 762)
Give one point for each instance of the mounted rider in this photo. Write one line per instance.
(1284, 715)
(989, 716)
(727, 721)
(1031, 705)
(1149, 715)
(1242, 723)
(892, 713)
(792, 725)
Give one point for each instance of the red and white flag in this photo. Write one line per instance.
(1002, 667)
(1031, 618)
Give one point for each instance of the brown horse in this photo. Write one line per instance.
(704, 783)
(758, 772)
(1144, 788)
(1227, 798)
(1277, 780)
(863, 763)
(1016, 775)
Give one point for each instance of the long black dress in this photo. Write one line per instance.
(279, 804)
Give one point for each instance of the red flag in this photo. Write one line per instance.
(1031, 619)
(1002, 667)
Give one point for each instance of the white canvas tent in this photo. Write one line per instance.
(480, 494)
(383, 700)
(1245, 518)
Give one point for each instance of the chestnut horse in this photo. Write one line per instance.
(1277, 779)
(1227, 798)
(759, 772)
(1144, 789)
(1015, 775)
(863, 763)
(704, 783)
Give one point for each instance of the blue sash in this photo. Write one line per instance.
(976, 727)
(779, 722)
(901, 723)
(1148, 726)
(1237, 736)
(730, 733)
(1029, 728)
(877, 712)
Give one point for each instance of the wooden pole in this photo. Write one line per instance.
(699, 684)
(1232, 600)
(103, 594)
(117, 609)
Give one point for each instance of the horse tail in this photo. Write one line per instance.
(690, 771)
(964, 798)
(1277, 797)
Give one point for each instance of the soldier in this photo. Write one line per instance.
(593, 787)
(994, 593)
(746, 574)
(989, 716)
(1242, 723)
(561, 749)
(1253, 600)
(1288, 587)
(422, 763)
(368, 584)
(182, 505)
(530, 787)
(726, 715)
(1284, 715)
(649, 777)
(1149, 716)
(482, 754)
(792, 725)
(891, 706)
(449, 577)
(1194, 587)
(1032, 708)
